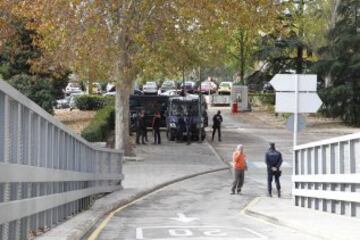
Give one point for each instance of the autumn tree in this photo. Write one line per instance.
(119, 40)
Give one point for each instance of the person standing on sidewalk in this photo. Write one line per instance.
(142, 128)
(217, 120)
(239, 163)
(137, 127)
(188, 124)
(273, 159)
(156, 128)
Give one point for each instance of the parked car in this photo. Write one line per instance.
(63, 103)
(174, 92)
(167, 85)
(267, 88)
(150, 88)
(96, 88)
(190, 86)
(207, 87)
(73, 87)
(112, 92)
(225, 88)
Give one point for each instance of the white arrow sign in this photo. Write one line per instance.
(184, 219)
(296, 93)
(287, 82)
(308, 102)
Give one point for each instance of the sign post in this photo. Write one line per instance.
(296, 116)
(296, 93)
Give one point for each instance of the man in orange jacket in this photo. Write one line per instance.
(239, 163)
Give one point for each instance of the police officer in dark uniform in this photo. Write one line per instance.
(137, 126)
(181, 126)
(140, 128)
(273, 160)
(217, 120)
(156, 128)
(188, 122)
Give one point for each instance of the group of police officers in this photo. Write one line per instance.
(273, 157)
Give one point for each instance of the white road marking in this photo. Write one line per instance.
(184, 219)
(196, 233)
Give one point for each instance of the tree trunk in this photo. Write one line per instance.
(242, 42)
(122, 117)
(300, 59)
(334, 7)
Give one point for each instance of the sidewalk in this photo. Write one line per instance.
(319, 224)
(154, 167)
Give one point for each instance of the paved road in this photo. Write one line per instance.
(199, 208)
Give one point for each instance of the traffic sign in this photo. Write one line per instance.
(296, 93)
(301, 123)
(287, 82)
(308, 102)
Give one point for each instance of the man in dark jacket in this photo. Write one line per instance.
(217, 120)
(181, 127)
(188, 123)
(137, 126)
(140, 128)
(273, 160)
(156, 128)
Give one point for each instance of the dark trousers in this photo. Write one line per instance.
(140, 134)
(157, 137)
(271, 175)
(239, 175)
(188, 135)
(214, 131)
(145, 134)
(179, 135)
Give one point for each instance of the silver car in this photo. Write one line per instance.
(72, 88)
(150, 88)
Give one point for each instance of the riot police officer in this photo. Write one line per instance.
(273, 159)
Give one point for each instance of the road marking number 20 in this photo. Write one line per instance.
(195, 232)
(189, 233)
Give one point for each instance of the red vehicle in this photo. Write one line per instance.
(207, 87)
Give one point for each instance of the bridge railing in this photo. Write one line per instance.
(327, 175)
(47, 173)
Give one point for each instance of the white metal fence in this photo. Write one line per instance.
(327, 175)
(47, 173)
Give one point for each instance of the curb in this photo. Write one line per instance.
(83, 229)
(274, 220)
(218, 155)
(145, 193)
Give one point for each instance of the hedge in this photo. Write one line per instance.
(263, 98)
(101, 125)
(93, 102)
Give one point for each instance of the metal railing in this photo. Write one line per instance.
(47, 173)
(327, 175)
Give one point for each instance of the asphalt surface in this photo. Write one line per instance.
(198, 208)
(202, 207)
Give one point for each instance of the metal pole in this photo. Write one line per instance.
(296, 113)
(200, 100)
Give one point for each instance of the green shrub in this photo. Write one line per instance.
(101, 125)
(37, 88)
(93, 102)
(263, 98)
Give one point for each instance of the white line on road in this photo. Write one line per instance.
(184, 219)
(187, 232)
